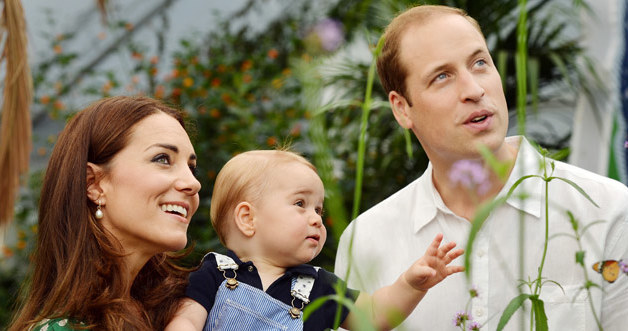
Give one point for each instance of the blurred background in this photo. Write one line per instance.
(256, 74)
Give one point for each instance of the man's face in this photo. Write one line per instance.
(454, 88)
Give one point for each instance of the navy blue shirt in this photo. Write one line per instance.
(204, 284)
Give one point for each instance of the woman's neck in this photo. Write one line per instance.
(131, 267)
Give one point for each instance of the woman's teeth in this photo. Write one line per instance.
(174, 208)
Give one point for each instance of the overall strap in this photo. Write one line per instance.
(302, 286)
(224, 262)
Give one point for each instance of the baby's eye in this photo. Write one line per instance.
(299, 203)
(319, 211)
(161, 158)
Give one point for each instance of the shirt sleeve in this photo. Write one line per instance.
(332, 285)
(58, 324)
(203, 284)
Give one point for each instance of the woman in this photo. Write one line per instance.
(118, 195)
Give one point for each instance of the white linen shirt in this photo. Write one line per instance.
(390, 236)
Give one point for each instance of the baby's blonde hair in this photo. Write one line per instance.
(243, 178)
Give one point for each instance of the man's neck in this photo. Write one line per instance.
(462, 200)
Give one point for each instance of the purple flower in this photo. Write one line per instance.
(331, 34)
(327, 35)
(470, 174)
(626, 144)
(623, 266)
(474, 326)
(461, 317)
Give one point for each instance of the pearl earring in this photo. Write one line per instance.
(98, 212)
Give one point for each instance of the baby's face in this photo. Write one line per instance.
(290, 224)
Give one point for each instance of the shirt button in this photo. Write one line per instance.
(479, 312)
(251, 268)
(480, 253)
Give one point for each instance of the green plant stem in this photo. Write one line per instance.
(366, 108)
(520, 61)
(587, 287)
(539, 280)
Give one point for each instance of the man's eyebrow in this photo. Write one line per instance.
(477, 52)
(444, 66)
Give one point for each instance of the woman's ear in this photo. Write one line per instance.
(94, 175)
(244, 219)
(400, 108)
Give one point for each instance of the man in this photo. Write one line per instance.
(443, 85)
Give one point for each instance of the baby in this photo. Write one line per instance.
(267, 209)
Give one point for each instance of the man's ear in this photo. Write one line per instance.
(94, 175)
(244, 219)
(401, 109)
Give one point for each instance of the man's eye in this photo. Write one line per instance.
(161, 158)
(480, 63)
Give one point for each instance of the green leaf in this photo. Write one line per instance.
(578, 188)
(580, 258)
(362, 320)
(334, 105)
(584, 229)
(514, 186)
(540, 318)
(314, 305)
(512, 307)
(501, 169)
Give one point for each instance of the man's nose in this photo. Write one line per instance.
(470, 88)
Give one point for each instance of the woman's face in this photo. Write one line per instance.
(149, 192)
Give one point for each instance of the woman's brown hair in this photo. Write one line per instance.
(77, 270)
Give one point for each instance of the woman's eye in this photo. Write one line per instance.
(441, 76)
(299, 203)
(194, 169)
(161, 158)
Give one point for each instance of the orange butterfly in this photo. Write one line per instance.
(610, 269)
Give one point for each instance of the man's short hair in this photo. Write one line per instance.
(391, 71)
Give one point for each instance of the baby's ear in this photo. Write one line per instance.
(244, 219)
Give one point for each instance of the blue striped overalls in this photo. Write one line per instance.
(239, 306)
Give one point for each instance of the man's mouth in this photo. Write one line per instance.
(478, 119)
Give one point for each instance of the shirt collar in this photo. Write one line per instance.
(427, 201)
(302, 269)
(529, 162)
